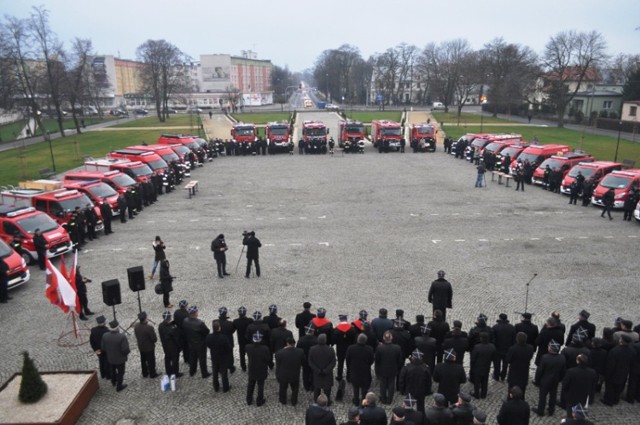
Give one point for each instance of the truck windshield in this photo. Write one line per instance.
(5, 251)
(478, 143)
(510, 151)
(37, 221)
(314, 132)
(142, 170)
(552, 163)
(102, 190)
(170, 157)
(425, 130)
(531, 158)
(182, 150)
(70, 204)
(391, 132)
(157, 165)
(493, 147)
(616, 182)
(244, 131)
(359, 129)
(278, 131)
(586, 171)
(193, 146)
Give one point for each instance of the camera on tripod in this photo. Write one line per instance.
(245, 233)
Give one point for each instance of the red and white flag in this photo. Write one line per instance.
(71, 278)
(58, 289)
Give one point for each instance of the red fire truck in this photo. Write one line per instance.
(386, 135)
(137, 170)
(314, 135)
(278, 137)
(423, 137)
(18, 272)
(244, 133)
(351, 132)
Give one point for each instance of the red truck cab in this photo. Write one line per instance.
(483, 140)
(59, 204)
(535, 154)
(622, 183)
(423, 137)
(314, 134)
(352, 131)
(18, 273)
(386, 135)
(244, 133)
(96, 190)
(561, 162)
(24, 221)
(278, 136)
(593, 171)
(152, 159)
(118, 181)
(136, 170)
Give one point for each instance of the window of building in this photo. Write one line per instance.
(633, 110)
(606, 104)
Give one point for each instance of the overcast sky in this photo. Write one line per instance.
(294, 33)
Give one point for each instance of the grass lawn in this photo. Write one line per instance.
(174, 120)
(23, 163)
(8, 132)
(262, 118)
(466, 118)
(601, 147)
(375, 115)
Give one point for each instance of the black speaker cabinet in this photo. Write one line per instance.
(111, 292)
(136, 278)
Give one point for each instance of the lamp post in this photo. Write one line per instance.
(481, 120)
(615, 159)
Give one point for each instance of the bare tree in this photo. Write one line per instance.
(52, 53)
(336, 73)
(77, 75)
(9, 88)
(569, 57)
(162, 73)
(510, 70)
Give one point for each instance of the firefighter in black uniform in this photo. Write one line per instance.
(122, 207)
(107, 214)
(81, 221)
(92, 221)
(16, 244)
(219, 247)
(240, 325)
(131, 203)
(300, 147)
(253, 244)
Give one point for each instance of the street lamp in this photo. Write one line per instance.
(481, 120)
(618, 143)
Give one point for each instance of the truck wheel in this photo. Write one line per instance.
(28, 258)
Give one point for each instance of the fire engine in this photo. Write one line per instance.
(18, 272)
(96, 190)
(314, 134)
(351, 132)
(120, 182)
(386, 135)
(244, 133)
(59, 204)
(278, 137)
(137, 170)
(423, 137)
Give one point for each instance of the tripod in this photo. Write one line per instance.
(113, 305)
(239, 258)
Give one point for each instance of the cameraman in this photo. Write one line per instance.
(253, 244)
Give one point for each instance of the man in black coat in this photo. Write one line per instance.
(221, 356)
(240, 325)
(41, 246)
(441, 294)
(481, 326)
(504, 336)
(359, 358)
(401, 337)
(258, 325)
(575, 348)
(253, 245)
(219, 248)
(272, 319)
(196, 332)
(458, 340)
(227, 328)
(371, 413)
(95, 340)
(528, 328)
(619, 361)
(583, 322)
(481, 357)
(381, 324)
(439, 329)
(462, 410)
(303, 318)
(259, 362)
(107, 215)
(122, 208)
(388, 362)
(305, 343)
(170, 340)
(415, 379)
(427, 345)
(410, 413)
(550, 331)
(318, 413)
(519, 358)
(344, 335)
(549, 373)
(322, 360)
(178, 318)
(289, 361)
(514, 411)
(578, 385)
(449, 375)
(279, 336)
(438, 413)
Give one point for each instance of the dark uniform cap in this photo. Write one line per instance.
(526, 316)
(101, 319)
(322, 312)
(465, 397)
(580, 411)
(114, 324)
(142, 316)
(399, 312)
(439, 398)
(342, 317)
(257, 315)
(482, 318)
(585, 314)
(193, 309)
(503, 316)
(479, 416)
(273, 309)
(363, 314)
(398, 411)
(354, 412)
(222, 311)
(183, 303)
(242, 310)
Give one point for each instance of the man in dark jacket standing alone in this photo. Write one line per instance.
(253, 244)
(441, 294)
(219, 247)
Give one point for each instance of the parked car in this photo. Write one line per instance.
(140, 111)
(119, 113)
(194, 109)
(437, 106)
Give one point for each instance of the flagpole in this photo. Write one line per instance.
(75, 324)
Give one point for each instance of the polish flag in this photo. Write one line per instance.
(58, 289)
(71, 278)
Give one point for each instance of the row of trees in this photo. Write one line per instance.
(449, 71)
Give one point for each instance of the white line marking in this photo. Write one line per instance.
(434, 214)
(303, 218)
(534, 239)
(86, 250)
(323, 243)
(295, 244)
(583, 237)
(413, 215)
(116, 249)
(483, 240)
(140, 248)
(281, 218)
(559, 239)
(507, 239)
(631, 236)
(539, 212)
(455, 214)
(608, 237)
(436, 240)
(172, 221)
(498, 213)
(579, 212)
(150, 221)
(249, 206)
(237, 219)
(322, 216)
(459, 240)
(193, 220)
(269, 244)
(217, 219)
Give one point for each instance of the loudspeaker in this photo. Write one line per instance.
(136, 278)
(111, 292)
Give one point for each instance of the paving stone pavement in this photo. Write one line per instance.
(345, 233)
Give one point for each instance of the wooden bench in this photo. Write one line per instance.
(46, 173)
(501, 175)
(192, 187)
